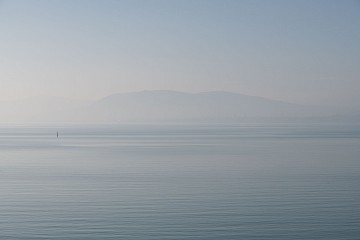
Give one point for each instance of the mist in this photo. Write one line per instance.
(168, 106)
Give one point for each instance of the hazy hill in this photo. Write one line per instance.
(204, 107)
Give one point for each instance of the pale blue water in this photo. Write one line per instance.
(180, 182)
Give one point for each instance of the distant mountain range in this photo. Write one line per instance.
(166, 106)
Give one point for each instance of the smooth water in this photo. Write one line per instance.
(180, 182)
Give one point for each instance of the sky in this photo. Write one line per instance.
(304, 51)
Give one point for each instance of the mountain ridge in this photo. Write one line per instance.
(201, 106)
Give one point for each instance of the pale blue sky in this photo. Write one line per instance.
(297, 51)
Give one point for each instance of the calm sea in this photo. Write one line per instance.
(180, 182)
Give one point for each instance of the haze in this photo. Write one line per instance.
(303, 52)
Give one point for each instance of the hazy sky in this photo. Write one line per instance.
(298, 51)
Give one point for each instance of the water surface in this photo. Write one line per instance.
(180, 182)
